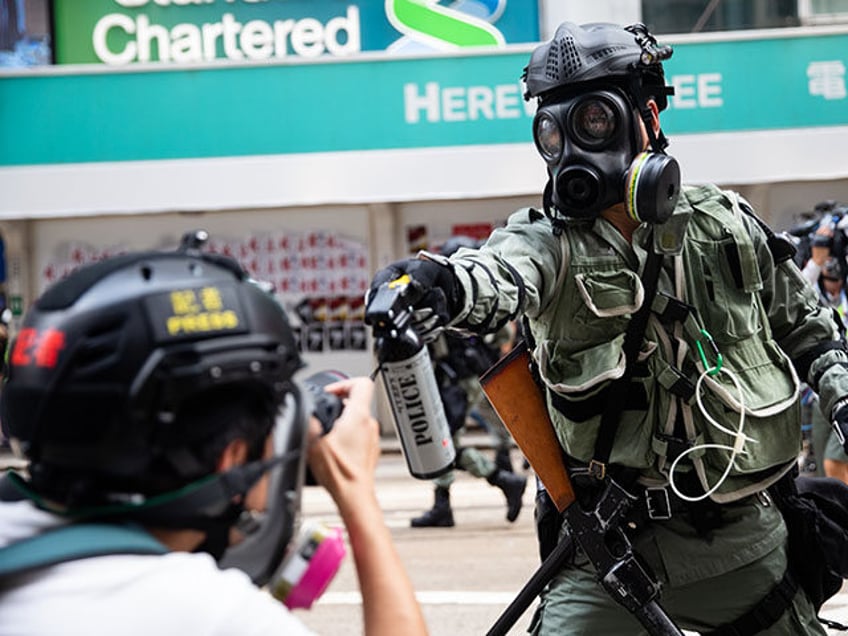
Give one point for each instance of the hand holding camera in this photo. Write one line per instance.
(326, 407)
(344, 459)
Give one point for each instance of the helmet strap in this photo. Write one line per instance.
(658, 141)
(218, 532)
(548, 205)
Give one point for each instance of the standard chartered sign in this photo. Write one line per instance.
(137, 38)
(121, 32)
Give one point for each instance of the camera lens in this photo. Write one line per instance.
(326, 407)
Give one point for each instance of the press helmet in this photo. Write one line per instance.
(107, 357)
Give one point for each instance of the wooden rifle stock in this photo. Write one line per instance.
(520, 403)
(518, 400)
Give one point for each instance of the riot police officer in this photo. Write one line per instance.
(709, 417)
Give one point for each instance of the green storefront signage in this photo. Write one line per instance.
(389, 103)
(119, 32)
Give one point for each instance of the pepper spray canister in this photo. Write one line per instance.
(410, 383)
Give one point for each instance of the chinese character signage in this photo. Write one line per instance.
(827, 79)
(758, 84)
(119, 32)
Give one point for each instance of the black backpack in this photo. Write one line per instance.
(816, 513)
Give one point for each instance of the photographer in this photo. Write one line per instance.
(154, 398)
(820, 236)
(824, 269)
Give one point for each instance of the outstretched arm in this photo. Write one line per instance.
(344, 462)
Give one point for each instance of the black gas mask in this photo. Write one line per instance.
(592, 143)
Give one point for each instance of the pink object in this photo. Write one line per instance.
(320, 570)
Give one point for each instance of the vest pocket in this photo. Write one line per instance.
(770, 390)
(613, 293)
(579, 374)
(723, 289)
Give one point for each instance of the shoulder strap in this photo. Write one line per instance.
(611, 417)
(779, 245)
(76, 541)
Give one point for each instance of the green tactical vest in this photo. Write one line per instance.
(579, 351)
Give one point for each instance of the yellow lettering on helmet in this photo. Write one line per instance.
(203, 322)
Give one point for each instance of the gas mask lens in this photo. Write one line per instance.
(593, 122)
(548, 137)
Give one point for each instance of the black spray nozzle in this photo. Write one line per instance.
(389, 310)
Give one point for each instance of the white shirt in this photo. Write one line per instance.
(177, 593)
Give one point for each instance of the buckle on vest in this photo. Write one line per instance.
(674, 446)
(682, 386)
(670, 309)
(597, 469)
(657, 503)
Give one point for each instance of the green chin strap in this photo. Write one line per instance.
(195, 505)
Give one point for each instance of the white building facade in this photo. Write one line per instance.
(320, 165)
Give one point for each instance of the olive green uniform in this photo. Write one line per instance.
(826, 444)
(578, 289)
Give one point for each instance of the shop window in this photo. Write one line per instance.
(823, 11)
(25, 33)
(695, 16)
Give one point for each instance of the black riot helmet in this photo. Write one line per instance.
(593, 83)
(107, 373)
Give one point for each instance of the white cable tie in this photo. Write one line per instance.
(739, 438)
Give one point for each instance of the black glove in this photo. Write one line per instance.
(839, 421)
(435, 294)
(548, 521)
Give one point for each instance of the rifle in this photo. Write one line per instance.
(518, 400)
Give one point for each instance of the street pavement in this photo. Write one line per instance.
(464, 576)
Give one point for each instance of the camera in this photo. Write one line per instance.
(830, 214)
(326, 407)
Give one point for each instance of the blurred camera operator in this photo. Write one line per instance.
(154, 397)
(820, 245)
(825, 273)
(819, 236)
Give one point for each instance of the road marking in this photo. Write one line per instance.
(428, 598)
